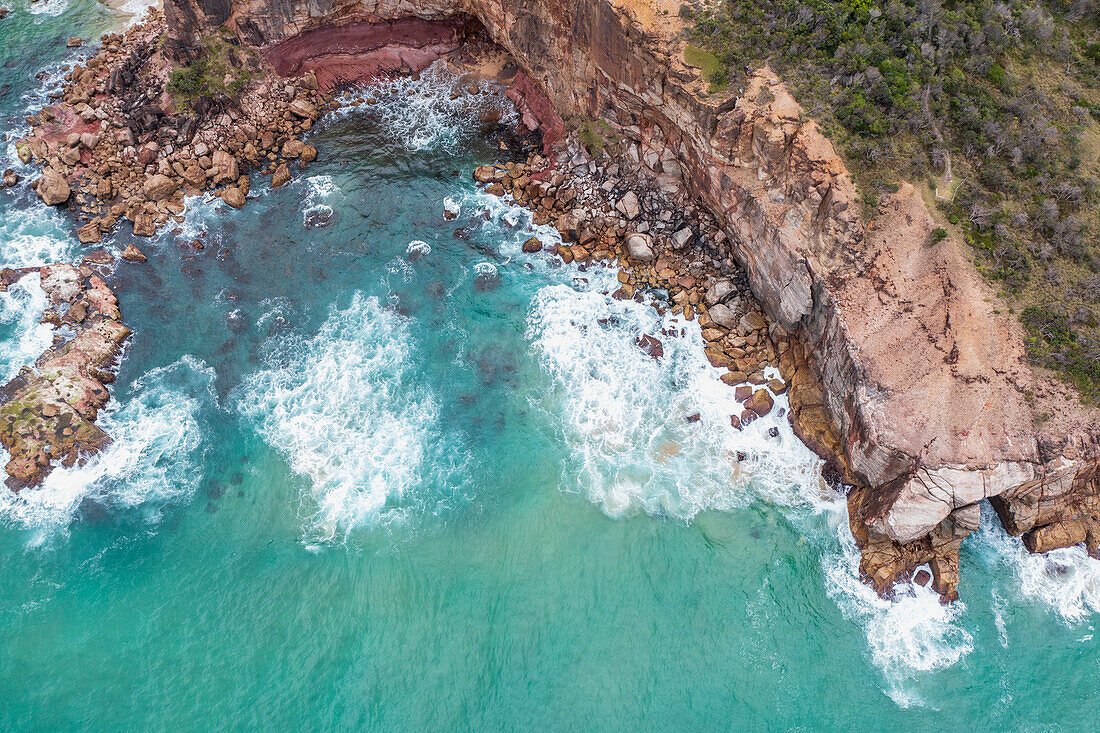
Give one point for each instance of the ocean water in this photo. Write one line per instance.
(374, 469)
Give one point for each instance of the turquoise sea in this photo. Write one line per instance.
(378, 470)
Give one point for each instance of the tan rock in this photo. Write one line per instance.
(53, 188)
(233, 196)
(280, 176)
(133, 254)
(159, 187)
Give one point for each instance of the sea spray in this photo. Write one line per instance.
(23, 337)
(909, 635)
(433, 111)
(654, 434)
(1067, 580)
(344, 410)
(154, 457)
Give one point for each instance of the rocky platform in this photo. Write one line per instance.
(48, 411)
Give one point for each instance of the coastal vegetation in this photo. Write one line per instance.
(221, 67)
(993, 106)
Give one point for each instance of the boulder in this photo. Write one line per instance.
(301, 107)
(144, 225)
(308, 154)
(280, 176)
(89, 233)
(53, 188)
(485, 174)
(233, 196)
(760, 403)
(225, 167)
(681, 238)
(751, 321)
(719, 291)
(133, 254)
(292, 148)
(159, 187)
(722, 315)
(194, 176)
(640, 247)
(11, 178)
(629, 205)
(534, 244)
(651, 346)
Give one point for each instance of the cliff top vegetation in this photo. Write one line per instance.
(993, 104)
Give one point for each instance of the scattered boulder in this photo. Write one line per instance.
(722, 315)
(89, 233)
(651, 346)
(281, 176)
(629, 205)
(226, 168)
(52, 188)
(303, 108)
(760, 403)
(534, 244)
(233, 196)
(159, 187)
(133, 254)
(719, 291)
(640, 247)
(11, 178)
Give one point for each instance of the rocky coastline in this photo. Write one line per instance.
(734, 203)
(48, 411)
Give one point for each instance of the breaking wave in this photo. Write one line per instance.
(23, 337)
(433, 111)
(154, 458)
(343, 410)
(1066, 581)
(909, 636)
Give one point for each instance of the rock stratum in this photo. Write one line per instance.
(906, 375)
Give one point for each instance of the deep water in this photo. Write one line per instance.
(374, 469)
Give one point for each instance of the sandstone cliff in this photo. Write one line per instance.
(920, 388)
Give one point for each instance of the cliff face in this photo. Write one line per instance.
(924, 389)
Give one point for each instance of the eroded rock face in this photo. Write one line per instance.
(48, 411)
(905, 376)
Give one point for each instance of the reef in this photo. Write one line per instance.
(48, 411)
(903, 371)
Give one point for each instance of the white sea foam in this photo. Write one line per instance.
(418, 248)
(318, 189)
(342, 409)
(624, 415)
(1066, 581)
(21, 308)
(434, 111)
(154, 456)
(908, 637)
(50, 8)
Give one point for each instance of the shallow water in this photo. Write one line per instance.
(354, 486)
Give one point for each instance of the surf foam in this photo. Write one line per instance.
(25, 336)
(344, 410)
(154, 457)
(434, 111)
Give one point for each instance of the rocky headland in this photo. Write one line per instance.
(48, 411)
(902, 370)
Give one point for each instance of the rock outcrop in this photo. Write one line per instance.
(906, 375)
(48, 411)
